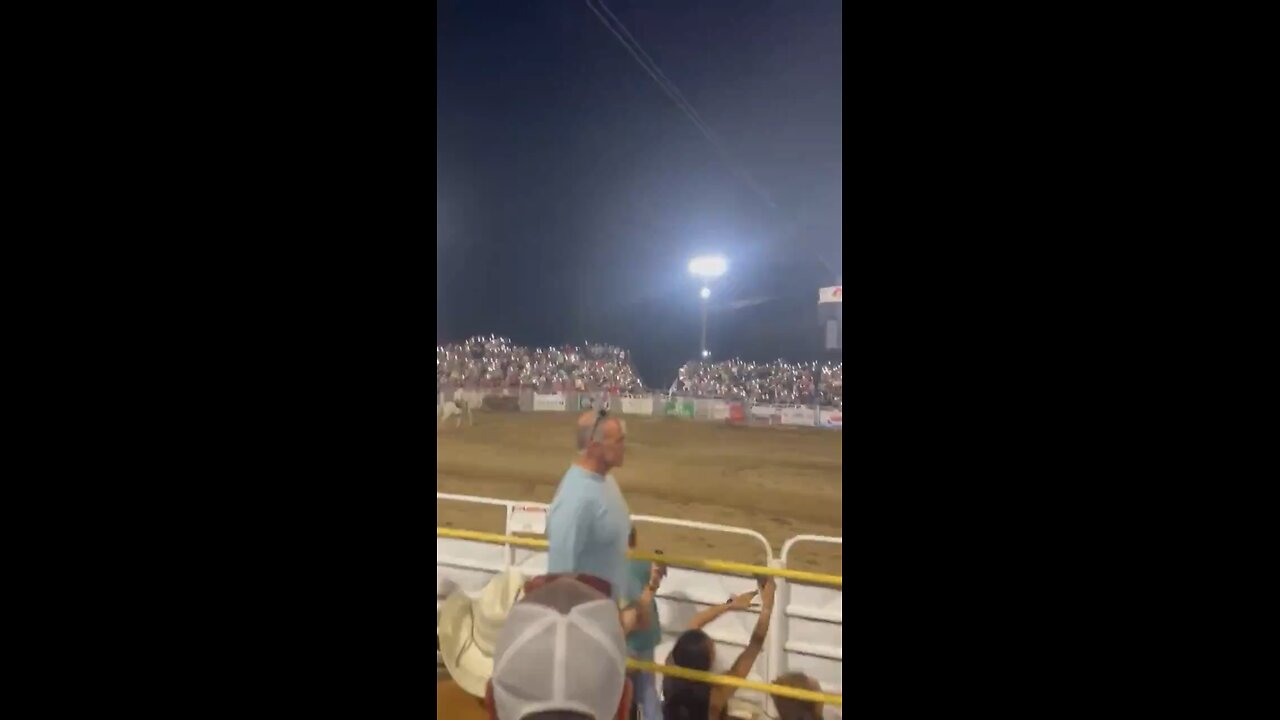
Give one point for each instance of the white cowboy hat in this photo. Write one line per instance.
(468, 629)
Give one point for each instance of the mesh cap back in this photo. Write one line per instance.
(561, 648)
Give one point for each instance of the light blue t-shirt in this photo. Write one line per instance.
(587, 528)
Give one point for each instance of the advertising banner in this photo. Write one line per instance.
(737, 413)
(831, 294)
(797, 416)
(548, 402)
(637, 406)
(830, 418)
(763, 412)
(719, 410)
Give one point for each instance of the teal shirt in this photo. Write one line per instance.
(641, 643)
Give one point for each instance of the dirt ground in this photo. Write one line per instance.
(780, 482)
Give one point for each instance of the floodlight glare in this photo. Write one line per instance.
(706, 293)
(708, 266)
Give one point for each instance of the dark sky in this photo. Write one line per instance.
(571, 191)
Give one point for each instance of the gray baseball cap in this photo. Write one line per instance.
(561, 648)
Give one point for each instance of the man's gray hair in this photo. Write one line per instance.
(584, 434)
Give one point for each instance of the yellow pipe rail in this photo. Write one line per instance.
(706, 677)
(723, 566)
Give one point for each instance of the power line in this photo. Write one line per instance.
(664, 80)
(672, 92)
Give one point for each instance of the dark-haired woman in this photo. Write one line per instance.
(694, 649)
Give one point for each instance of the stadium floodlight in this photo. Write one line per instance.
(708, 266)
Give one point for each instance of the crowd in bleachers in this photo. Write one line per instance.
(491, 361)
(778, 382)
(495, 362)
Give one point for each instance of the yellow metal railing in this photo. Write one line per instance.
(712, 678)
(723, 566)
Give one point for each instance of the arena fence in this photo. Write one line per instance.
(655, 404)
(805, 632)
(723, 566)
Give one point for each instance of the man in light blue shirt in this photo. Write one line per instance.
(588, 522)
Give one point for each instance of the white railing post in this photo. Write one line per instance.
(510, 554)
(778, 627)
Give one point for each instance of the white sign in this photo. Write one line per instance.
(763, 411)
(831, 294)
(637, 406)
(797, 416)
(830, 418)
(548, 402)
(720, 410)
(528, 519)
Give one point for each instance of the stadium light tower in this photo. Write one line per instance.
(707, 268)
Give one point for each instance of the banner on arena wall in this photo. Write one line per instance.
(763, 412)
(830, 418)
(548, 402)
(719, 410)
(737, 413)
(685, 409)
(831, 294)
(637, 406)
(797, 416)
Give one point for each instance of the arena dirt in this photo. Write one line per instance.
(781, 482)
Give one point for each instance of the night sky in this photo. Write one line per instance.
(571, 191)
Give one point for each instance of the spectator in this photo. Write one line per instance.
(792, 709)
(644, 639)
(694, 649)
(588, 521)
(561, 655)
(467, 629)
(494, 362)
(778, 382)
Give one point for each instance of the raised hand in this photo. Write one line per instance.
(767, 591)
(657, 571)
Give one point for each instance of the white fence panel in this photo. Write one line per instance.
(811, 633)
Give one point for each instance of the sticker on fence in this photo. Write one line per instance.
(528, 519)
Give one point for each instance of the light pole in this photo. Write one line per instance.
(707, 268)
